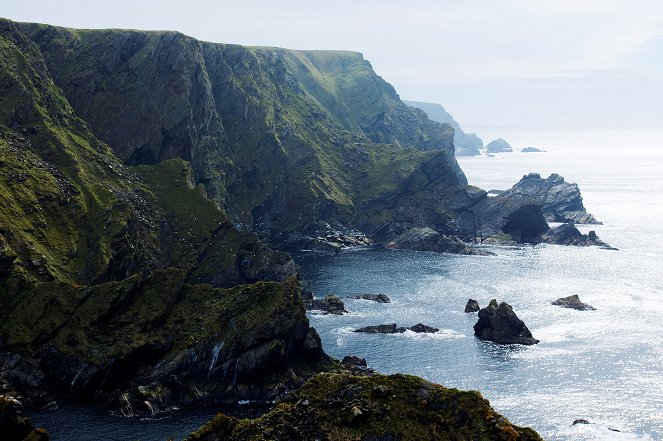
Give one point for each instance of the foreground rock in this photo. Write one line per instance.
(329, 304)
(14, 427)
(573, 302)
(499, 324)
(371, 408)
(568, 234)
(394, 329)
(498, 146)
(472, 306)
(379, 298)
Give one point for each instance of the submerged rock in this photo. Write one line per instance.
(472, 306)
(568, 234)
(499, 324)
(498, 146)
(330, 304)
(371, 408)
(573, 302)
(379, 298)
(352, 360)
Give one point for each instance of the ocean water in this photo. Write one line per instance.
(605, 366)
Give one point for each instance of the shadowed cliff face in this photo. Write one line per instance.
(279, 137)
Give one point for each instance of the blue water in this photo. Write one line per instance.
(605, 366)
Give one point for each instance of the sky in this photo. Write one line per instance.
(496, 65)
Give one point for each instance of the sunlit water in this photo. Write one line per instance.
(605, 366)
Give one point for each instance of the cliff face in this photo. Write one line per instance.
(467, 144)
(278, 137)
(89, 300)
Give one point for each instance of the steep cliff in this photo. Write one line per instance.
(278, 137)
(467, 144)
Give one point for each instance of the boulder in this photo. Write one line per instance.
(472, 306)
(378, 297)
(330, 304)
(499, 324)
(421, 328)
(351, 360)
(382, 329)
(573, 302)
(498, 146)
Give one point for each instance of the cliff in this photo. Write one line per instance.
(467, 144)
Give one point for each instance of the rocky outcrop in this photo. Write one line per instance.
(531, 150)
(568, 234)
(573, 302)
(394, 329)
(329, 304)
(152, 342)
(373, 297)
(472, 306)
(371, 407)
(351, 360)
(498, 146)
(427, 239)
(499, 324)
(467, 144)
(14, 426)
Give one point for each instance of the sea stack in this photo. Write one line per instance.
(499, 324)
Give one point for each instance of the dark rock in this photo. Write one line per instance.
(352, 360)
(14, 426)
(421, 328)
(568, 234)
(330, 304)
(531, 150)
(472, 306)
(498, 323)
(498, 146)
(427, 239)
(382, 329)
(379, 298)
(573, 302)
(580, 421)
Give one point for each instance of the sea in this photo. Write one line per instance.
(603, 366)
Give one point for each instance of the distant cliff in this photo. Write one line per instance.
(467, 144)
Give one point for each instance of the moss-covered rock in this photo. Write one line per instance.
(374, 407)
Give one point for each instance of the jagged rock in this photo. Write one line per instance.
(378, 297)
(427, 239)
(531, 150)
(421, 328)
(352, 360)
(382, 329)
(472, 306)
(499, 324)
(568, 234)
(573, 302)
(371, 408)
(330, 304)
(498, 146)
(14, 426)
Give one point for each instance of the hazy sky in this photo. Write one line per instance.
(494, 64)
